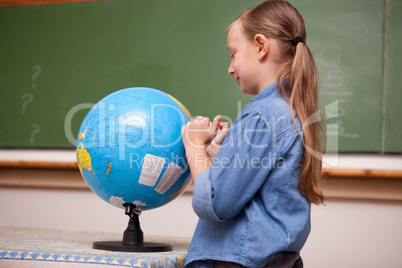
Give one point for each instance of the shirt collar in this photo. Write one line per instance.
(268, 91)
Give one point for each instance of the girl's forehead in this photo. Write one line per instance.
(235, 27)
(235, 30)
(235, 34)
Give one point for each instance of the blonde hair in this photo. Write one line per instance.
(280, 20)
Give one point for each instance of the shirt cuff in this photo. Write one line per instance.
(202, 197)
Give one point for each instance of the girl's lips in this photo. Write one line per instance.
(237, 80)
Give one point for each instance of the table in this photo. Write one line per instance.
(30, 247)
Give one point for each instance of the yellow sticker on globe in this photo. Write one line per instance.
(170, 176)
(151, 169)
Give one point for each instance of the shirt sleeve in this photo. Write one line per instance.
(247, 156)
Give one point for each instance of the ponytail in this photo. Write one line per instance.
(296, 81)
(304, 99)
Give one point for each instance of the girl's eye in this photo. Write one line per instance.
(232, 55)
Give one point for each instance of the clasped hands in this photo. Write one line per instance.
(201, 134)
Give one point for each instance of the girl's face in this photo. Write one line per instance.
(244, 63)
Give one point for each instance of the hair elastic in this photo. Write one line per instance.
(297, 40)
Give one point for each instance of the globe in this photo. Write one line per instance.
(130, 150)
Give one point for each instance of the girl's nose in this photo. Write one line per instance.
(230, 70)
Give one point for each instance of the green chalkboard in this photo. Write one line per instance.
(346, 38)
(393, 78)
(55, 57)
(58, 60)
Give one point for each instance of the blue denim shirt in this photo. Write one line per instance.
(248, 202)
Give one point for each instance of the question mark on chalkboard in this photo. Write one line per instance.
(26, 98)
(36, 69)
(35, 130)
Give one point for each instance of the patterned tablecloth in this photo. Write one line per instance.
(43, 246)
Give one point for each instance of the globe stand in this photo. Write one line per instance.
(133, 238)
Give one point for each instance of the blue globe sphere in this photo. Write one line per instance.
(130, 150)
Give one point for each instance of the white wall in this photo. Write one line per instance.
(83, 210)
(344, 233)
(355, 234)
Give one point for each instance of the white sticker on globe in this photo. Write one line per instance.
(151, 169)
(170, 176)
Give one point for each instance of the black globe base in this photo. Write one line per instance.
(133, 238)
(119, 246)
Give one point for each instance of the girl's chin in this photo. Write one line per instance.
(248, 92)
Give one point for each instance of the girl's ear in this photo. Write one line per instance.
(262, 45)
